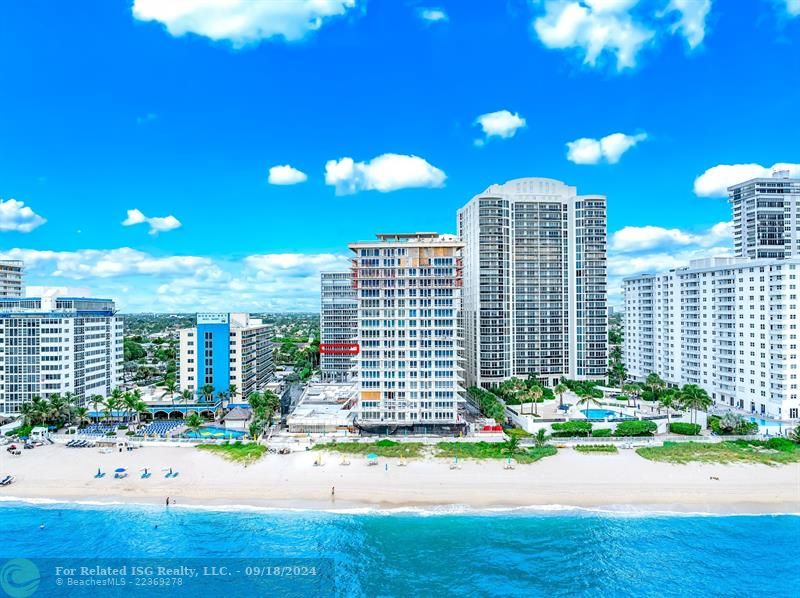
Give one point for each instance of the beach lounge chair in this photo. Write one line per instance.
(7, 480)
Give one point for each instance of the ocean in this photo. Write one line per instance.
(56, 549)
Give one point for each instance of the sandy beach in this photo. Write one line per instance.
(624, 481)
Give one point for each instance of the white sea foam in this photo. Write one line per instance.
(617, 511)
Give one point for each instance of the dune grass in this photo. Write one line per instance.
(236, 451)
(382, 448)
(596, 448)
(492, 450)
(777, 451)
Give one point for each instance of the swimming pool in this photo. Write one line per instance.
(769, 423)
(215, 432)
(603, 414)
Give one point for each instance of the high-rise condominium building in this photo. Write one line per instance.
(766, 216)
(534, 283)
(223, 350)
(11, 278)
(58, 345)
(729, 325)
(338, 326)
(409, 301)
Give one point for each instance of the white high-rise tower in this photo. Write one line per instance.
(534, 283)
(766, 216)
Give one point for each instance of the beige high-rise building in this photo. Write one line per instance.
(409, 370)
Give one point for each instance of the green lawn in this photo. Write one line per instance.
(382, 448)
(491, 450)
(237, 451)
(776, 451)
(596, 448)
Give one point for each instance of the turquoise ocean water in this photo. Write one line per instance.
(306, 553)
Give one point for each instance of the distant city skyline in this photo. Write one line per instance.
(177, 165)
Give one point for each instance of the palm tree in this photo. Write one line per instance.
(193, 422)
(28, 413)
(111, 405)
(39, 410)
(170, 388)
(233, 392)
(96, 400)
(587, 401)
(207, 392)
(693, 397)
(560, 389)
(668, 401)
(129, 401)
(81, 415)
(540, 439)
(57, 408)
(141, 408)
(272, 404)
(655, 384)
(255, 428)
(536, 393)
(512, 445)
(630, 390)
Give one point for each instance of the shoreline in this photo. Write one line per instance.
(430, 510)
(623, 483)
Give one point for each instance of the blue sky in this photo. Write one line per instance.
(137, 138)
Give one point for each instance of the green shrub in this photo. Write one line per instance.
(781, 444)
(488, 403)
(386, 442)
(732, 424)
(601, 433)
(636, 427)
(122, 427)
(684, 428)
(570, 429)
(596, 448)
(21, 431)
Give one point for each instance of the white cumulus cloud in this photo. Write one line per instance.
(104, 263)
(286, 175)
(158, 224)
(432, 15)
(618, 29)
(793, 7)
(241, 22)
(502, 124)
(609, 148)
(594, 27)
(639, 249)
(638, 238)
(387, 172)
(16, 216)
(715, 181)
(692, 20)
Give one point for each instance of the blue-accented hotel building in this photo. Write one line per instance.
(214, 347)
(225, 350)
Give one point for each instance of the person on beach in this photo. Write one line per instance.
(333, 491)
(168, 501)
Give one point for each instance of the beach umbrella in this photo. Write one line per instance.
(119, 470)
(372, 456)
(99, 472)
